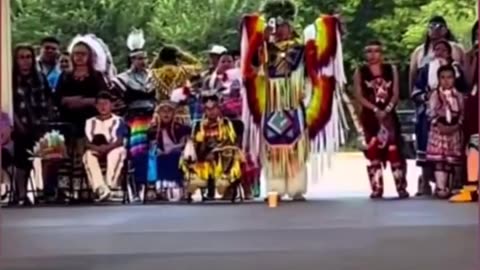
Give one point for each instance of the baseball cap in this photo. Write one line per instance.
(217, 49)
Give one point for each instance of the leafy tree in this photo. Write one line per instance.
(109, 19)
(410, 24)
(195, 24)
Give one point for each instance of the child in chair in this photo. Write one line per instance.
(105, 143)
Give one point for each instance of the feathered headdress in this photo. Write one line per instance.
(282, 11)
(102, 58)
(135, 42)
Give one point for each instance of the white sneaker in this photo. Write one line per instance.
(103, 193)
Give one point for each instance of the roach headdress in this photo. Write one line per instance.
(282, 11)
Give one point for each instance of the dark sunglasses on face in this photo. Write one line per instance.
(435, 26)
(80, 53)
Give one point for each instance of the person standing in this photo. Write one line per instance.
(469, 192)
(214, 55)
(445, 139)
(424, 53)
(75, 95)
(437, 30)
(290, 96)
(427, 81)
(377, 91)
(30, 112)
(135, 99)
(134, 81)
(48, 60)
(172, 71)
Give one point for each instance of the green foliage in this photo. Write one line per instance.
(405, 28)
(195, 24)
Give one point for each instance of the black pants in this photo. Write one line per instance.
(211, 188)
(7, 159)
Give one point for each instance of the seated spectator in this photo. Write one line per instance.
(445, 142)
(105, 142)
(170, 138)
(204, 164)
(7, 148)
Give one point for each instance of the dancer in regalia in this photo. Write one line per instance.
(204, 168)
(427, 81)
(173, 69)
(290, 87)
(376, 87)
(133, 82)
(170, 138)
(137, 103)
(445, 149)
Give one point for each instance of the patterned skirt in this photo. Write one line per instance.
(139, 146)
(444, 149)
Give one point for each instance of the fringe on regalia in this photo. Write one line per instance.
(321, 92)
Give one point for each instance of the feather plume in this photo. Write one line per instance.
(136, 40)
(285, 9)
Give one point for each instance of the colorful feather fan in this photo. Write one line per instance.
(50, 146)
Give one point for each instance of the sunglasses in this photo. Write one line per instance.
(434, 26)
(80, 53)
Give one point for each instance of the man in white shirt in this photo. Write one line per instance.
(105, 142)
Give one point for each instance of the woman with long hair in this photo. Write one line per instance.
(76, 93)
(437, 30)
(31, 110)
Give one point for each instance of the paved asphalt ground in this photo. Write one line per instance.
(342, 233)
